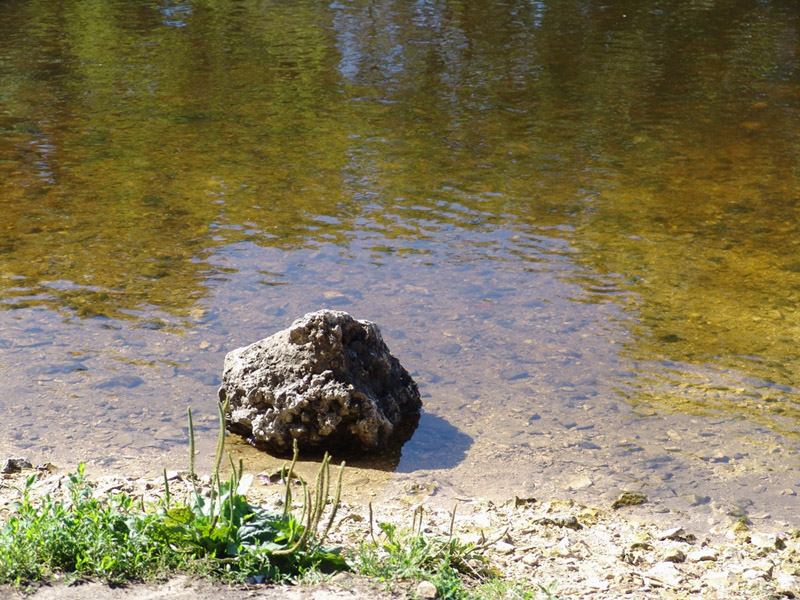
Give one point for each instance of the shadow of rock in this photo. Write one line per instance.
(431, 443)
(435, 444)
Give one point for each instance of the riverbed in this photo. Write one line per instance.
(575, 224)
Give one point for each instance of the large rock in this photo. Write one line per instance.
(327, 381)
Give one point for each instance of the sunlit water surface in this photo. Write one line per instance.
(576, 224)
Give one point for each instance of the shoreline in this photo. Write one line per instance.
(587, 551)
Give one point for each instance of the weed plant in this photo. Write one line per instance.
(408, 554)
(216, 532)
(457, 569)
(81, 536)
(223, 529)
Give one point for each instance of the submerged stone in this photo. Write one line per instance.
(628, 499)
(328, 381)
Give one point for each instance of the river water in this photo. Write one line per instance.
(575, 222)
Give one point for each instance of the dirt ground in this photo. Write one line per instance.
(344, 587)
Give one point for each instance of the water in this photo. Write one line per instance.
(576, 224)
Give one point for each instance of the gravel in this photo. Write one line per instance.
(588, 552)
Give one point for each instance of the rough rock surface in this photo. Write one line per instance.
(328, 381)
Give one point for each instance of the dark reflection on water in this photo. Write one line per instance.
(577, 221)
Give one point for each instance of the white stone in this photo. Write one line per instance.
(666, 573)
(481, 521)
(751, 574)
(504, 547)
(675, 533)
(787, 583)
(766, 541)
(596, 584)
(702, 554)
(718, 579)
(426, 590)
(579, 483)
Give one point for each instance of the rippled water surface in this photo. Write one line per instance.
(576, 223)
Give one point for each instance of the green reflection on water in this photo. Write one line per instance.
(660, 143)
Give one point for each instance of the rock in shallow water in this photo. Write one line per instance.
(328, 381)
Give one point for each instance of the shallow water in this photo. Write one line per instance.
(575, 223)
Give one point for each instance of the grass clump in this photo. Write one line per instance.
(80, 536)
(215, 532)
(457, 569)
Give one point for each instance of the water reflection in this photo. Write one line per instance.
(578, 221)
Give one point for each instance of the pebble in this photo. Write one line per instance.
(481, 521)
(676, 533)
(426, 590)
(595, 583)
(718, 579)
(674, 555)
(629, 499)
(579, 483)
(751, 574)
(767, 541)
(697, 500)
(707, 554)
(666, 573)
(119, 381)
(104, 489)
(787, 583)
(503, 547)
(514, 373)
